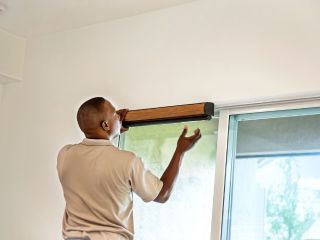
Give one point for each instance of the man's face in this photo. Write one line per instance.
(113, 120)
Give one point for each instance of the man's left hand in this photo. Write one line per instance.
(122, 113)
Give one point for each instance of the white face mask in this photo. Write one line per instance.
(116, 130)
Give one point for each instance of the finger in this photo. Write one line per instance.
(124, 113)
(126, 110)
(119, 111)
(184, 131)
(196, 133)
(196, 139)
(123, 129)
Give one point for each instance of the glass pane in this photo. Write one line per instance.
(187, 214)
(286, 134)
(276, 198)
(276, 180)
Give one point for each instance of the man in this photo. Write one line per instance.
(98, 178)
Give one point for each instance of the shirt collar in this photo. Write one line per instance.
(96, 142)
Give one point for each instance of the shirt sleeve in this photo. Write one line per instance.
(143, 182)
(60, 160)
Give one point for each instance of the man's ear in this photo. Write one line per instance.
(105, 126)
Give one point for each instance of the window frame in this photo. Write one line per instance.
(227, 134)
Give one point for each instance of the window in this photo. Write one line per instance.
(187, 215)
(259, 180)
(272, 185)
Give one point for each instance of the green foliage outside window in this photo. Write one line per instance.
(287, 217)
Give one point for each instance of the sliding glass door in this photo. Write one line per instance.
(272, 176)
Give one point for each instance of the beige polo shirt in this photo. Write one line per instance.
(97, 180)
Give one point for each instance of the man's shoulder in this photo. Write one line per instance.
(130, 156)
(63, 150)
(66, 148)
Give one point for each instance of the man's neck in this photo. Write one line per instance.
(91, 136)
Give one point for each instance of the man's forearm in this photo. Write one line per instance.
(169, 176)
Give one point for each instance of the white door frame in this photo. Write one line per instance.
(224, 113)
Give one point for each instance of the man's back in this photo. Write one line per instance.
(97, 179)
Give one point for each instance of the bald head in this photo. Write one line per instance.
(92, 113)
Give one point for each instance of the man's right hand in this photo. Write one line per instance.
(186, 143)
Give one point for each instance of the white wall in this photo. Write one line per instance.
(12, 54)
(203, 51)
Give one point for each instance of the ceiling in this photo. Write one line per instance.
(28, 18)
